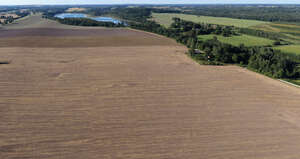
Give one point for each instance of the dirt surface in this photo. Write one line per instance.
(76, 9)
(140, 102)
(53, 32)
(51, 37)
(33, 31)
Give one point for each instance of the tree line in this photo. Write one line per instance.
(278, 37)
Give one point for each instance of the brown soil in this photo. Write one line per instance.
(140, 102)
(76, 9)
(50, 37)
(33, 31)
(52, 32)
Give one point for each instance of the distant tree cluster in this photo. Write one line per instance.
(202, 28)
(132, 14)
(7, 19)
(273, 63)
(100, 11)
(226, 53)
(10, 19)
(50, 13)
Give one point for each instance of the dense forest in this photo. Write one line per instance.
(139, 14)
(272, 13)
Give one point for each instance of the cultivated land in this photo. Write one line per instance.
(289, 30)
(166, 20)
(242, 39)
(135, 100)
(75, 10)
(294, 49)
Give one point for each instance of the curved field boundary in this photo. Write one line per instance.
(289, 83)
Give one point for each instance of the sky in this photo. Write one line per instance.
(40, 2)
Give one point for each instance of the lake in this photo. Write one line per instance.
(80, 15)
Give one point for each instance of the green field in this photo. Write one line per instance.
(166, 20)
(247, 40)
(290, 31)
(295, 49)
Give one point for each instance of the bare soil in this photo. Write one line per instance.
(76, 9)
(148, 101)
(34, 31)
(51, 37)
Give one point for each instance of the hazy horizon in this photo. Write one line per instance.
(112, 2)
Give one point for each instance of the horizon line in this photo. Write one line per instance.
(154, 4)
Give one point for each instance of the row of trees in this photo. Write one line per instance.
(202, 28)
(264, 34)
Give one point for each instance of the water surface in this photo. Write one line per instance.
(81, 15)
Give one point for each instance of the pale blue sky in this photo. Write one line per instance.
(22, 2)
